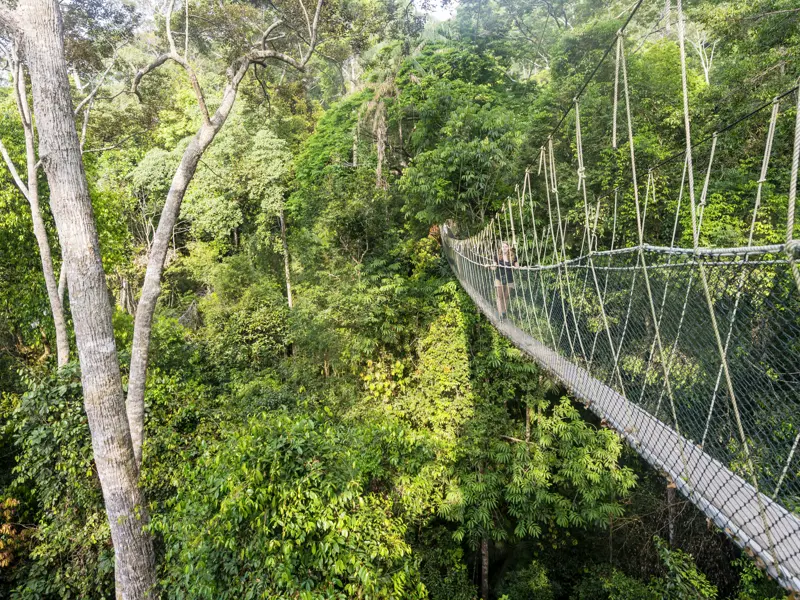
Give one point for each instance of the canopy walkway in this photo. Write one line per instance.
(691, 353)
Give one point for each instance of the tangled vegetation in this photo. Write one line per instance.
(327, 415)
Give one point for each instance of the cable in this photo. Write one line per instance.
(588, 79)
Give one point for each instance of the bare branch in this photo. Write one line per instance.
(113, 96)
(314, 28)
(305, 14)
(170, 7)
(8, 19)
(109, 147)
(266, 33)
(260, 56)
(90, 97)
(198, 91)
(20, 92)
(181, 60)
(13, 170)
(280, 36)
(513, 439)
(264, 90)
(159, 60)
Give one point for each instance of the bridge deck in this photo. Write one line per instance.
(754, 521)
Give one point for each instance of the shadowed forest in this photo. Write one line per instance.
(234, 362)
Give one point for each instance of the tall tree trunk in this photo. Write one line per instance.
(126, 296)
(59, 149)
(286, 269)
(31, 193)
(485, 568)
(39, 231)
(62, 280)
(151, 289)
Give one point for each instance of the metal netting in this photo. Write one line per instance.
(691, 353)
(673, 406)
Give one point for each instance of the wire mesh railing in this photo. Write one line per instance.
(737, 461)
(692, 353)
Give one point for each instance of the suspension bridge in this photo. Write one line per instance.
(690, 351)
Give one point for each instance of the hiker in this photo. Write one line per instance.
(504, 277)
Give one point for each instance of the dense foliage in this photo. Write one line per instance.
(378, 438)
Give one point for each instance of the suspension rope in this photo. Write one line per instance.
(743, 275)
(525, 249)
(793, 191)
(570, 299)
(659, 355)
(558, 259)
(704, 279)
(539, 257)
(582, 184)
(640, 227)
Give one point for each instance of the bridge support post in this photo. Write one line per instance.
(485, 568)
(671, 508)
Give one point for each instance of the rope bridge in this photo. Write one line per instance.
(690, 353)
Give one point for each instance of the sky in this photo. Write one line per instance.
(440, 13)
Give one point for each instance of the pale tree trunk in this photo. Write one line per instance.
(59, 149)
(126, 297)
(485, 568)
(31, 193)
(355, 145)
(286, 269)
(151, 289)
(39, 231)
(62, 281)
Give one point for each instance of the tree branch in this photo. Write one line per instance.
(305, 14)
(174, 56)
(168, 25)
(97, 87)
(13, 170)
(183, 61)
(20, 92)
(110, 147)
(260, 56)
(151, 287)
(8, 19)
(313, 32)
(159, 60)
(198, 91)
(266, 33)
(513, 439)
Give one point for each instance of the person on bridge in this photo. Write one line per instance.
(504, 277)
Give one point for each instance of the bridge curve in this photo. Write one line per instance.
(690, 353)
(755, 521)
